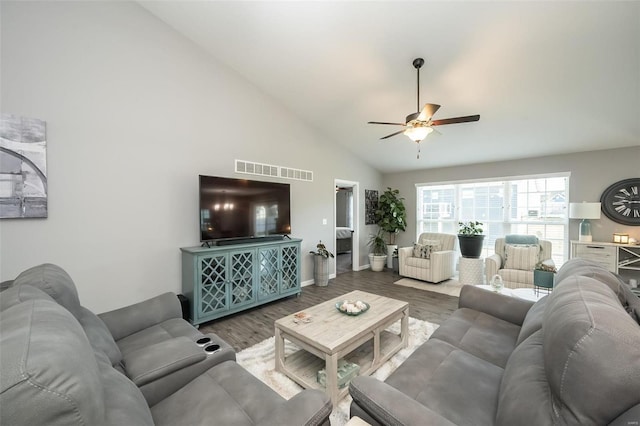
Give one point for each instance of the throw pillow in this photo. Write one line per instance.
(424, 251)
(522, 257)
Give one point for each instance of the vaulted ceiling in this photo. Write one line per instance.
(545, 77)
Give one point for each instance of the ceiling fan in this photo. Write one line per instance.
(419, 124)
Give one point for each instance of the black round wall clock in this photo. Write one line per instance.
(621, 202)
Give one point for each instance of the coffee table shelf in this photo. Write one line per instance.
(332, 336)
(304, 365)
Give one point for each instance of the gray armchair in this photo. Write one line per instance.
(515, 258)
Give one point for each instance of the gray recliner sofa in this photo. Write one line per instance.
(572, 358)
(139, 365)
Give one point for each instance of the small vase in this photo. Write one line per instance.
(496, 283)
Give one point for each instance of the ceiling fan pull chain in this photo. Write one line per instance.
(418, 156)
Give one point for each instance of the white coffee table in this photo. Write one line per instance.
(521, 293)
(332, 335)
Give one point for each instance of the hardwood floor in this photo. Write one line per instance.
(253, 326)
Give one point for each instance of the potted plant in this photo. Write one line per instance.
(378, 255)
(321, 264)
(391, 217)
(470, 238)
(543, 275)
(396, 264)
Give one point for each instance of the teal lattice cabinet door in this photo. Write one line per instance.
(222, 280)
(211, 296)
(241, 279)
(269, 272)
(290, 267)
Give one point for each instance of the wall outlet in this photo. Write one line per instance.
(324, 221)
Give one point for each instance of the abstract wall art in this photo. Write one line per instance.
(23, 167)
(370, 206)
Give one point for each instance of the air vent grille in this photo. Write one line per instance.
(260, 169)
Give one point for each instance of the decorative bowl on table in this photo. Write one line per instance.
(352, 307)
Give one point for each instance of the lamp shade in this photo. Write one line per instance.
(584, 210)
(418, 133)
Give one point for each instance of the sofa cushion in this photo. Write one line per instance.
(524, 392)
(16, 295)
(418, 262)
(49, 371)
(166, 330)
(523, 257)
(533, 320)
(590, 349)
(453, 383)
(54, 281)
(234, 397)
(120, 392)
(479, 334)
(99, 336)
(516, 276)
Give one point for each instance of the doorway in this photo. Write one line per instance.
(346, 226)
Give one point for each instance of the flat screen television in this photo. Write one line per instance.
(240, 209)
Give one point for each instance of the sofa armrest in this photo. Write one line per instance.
(161, 359)
(388, 405)
(508, 308)
(125, 321)
(492, 265)
(310, 407)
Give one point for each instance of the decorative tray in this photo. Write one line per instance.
(352, 307)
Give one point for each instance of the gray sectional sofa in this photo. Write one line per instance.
(139, 365)
(572, 358)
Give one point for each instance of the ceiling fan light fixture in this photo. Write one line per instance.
(418, 133)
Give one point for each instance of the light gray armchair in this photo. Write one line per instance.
(435, 266)
(515, 259)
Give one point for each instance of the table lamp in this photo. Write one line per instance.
(584, 211)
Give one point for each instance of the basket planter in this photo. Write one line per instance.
(471, 245)
(377, 262)
(543, 278)
(320, 270)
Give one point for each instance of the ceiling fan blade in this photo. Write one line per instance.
(392, 134)
(428, 111)
(455, 120)
(385, 122)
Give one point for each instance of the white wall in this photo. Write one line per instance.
(591, 173)
(134, 113)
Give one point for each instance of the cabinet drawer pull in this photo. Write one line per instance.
(596, 247)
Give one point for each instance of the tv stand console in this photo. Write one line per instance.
(223, 280)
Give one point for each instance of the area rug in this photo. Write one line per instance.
(259, 359)
(450, 287)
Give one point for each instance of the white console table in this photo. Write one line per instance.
(623, 259)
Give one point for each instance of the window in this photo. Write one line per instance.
(533, 205)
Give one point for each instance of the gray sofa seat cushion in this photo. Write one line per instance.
(428, 374)
(234, 397)
(153, 362)
(479, 334)
(54, 281)
(166, 330)
(49, 371)
(591, 349)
